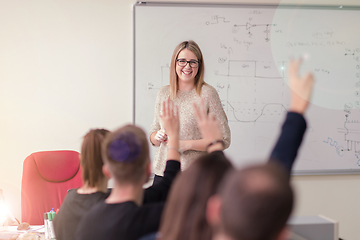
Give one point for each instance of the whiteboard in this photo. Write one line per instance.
(246, 52)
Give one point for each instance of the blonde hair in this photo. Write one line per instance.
(199, 78)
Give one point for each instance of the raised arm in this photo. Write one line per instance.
(301, 88)
(170, 121)
(209, 128)
(157, 134)
(294, 127)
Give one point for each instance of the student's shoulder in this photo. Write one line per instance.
(99, 207)
(71, 195)
(92, 222)
(103, 207)
(72, 192)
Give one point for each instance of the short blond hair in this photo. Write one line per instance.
(126, 151)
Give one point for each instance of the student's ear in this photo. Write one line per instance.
(106, 172)
(284, 234)
(213, 209)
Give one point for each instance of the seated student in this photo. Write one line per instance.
(255, 203)
(184, 214)
(78, 201)
(130, 212)
(189, 206)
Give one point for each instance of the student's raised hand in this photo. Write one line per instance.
(170, 119)
(208, 125)
(301, 87)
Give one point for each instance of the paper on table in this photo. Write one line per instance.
(11, 232)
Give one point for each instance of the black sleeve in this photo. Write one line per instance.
(291, 136)
(159, 191)
(146, 221)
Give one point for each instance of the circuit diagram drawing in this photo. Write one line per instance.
(216, 19)
(248, 26)
(246, 90)
(351, 131)
(249, 68)
(355, 54)
(351, 128)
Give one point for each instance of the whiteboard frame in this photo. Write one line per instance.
(242, 5)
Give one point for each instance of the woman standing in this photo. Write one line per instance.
(186, 87)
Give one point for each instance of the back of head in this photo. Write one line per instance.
(126, 152)
(256, 202)
(91, 160)
(184, 214)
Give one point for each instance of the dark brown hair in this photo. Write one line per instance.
(184, 215)
(126, 151)
(256, 202)
(91, 161)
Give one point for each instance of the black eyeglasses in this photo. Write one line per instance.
(182, 63)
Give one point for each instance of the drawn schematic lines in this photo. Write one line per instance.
(351, 132)
(248, 26)
(249, 68)
(256, 118)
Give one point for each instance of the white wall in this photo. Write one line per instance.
(336, 196)
(66, 67)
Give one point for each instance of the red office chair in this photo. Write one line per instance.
(46, 178)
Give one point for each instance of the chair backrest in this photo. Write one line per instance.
(46, 178)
